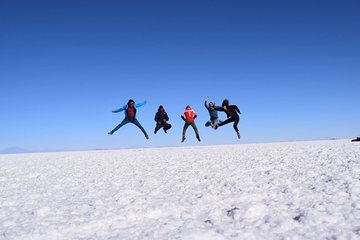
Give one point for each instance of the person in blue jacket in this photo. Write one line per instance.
(130, 116)
(214, 118)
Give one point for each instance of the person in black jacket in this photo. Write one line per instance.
(232, 113)
(161, 119)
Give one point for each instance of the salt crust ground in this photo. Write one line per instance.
(299, 190)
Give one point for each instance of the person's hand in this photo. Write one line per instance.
(113, 110)
(207, 98)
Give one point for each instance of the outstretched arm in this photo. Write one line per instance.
(217, 108)
(120, 109)
(237, 109)
(140, 104)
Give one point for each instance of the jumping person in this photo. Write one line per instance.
(232, 113)
(161, 119)
(130, 116)
(214, 118)
(189, 116)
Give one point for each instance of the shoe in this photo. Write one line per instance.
(238, 134)
(146, 136)
(183, 139)
(110, 133)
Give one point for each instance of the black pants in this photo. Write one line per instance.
(231, 119)
(164, 125)
(192, 124)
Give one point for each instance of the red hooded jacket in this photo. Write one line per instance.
(189, 114)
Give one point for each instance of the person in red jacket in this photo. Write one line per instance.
(189, 117)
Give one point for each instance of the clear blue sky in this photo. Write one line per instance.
(292, 67)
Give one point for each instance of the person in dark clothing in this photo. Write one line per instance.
(214, 118)
(161, 119)
(232, 113)
(189, 117)
(130, 116)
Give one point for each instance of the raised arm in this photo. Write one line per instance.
(206, 105)
(140, 104)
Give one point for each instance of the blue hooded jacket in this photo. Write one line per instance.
(212, 112)
(126, 107)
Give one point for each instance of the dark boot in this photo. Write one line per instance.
(198, 137)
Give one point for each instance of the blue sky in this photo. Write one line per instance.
(292, 67)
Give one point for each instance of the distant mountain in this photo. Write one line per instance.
(14, 150)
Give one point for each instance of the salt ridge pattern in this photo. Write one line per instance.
(298, 190)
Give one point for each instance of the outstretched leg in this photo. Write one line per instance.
(229, 120)
(136, 122)
(125, 121)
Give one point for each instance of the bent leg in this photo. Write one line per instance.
(215, 121)
(158, 126)
(167, 126)
(208, 124)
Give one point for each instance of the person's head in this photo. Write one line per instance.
(131, 103)
(225, 103)
(161, 108)
(211, 105)
(188, 107)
